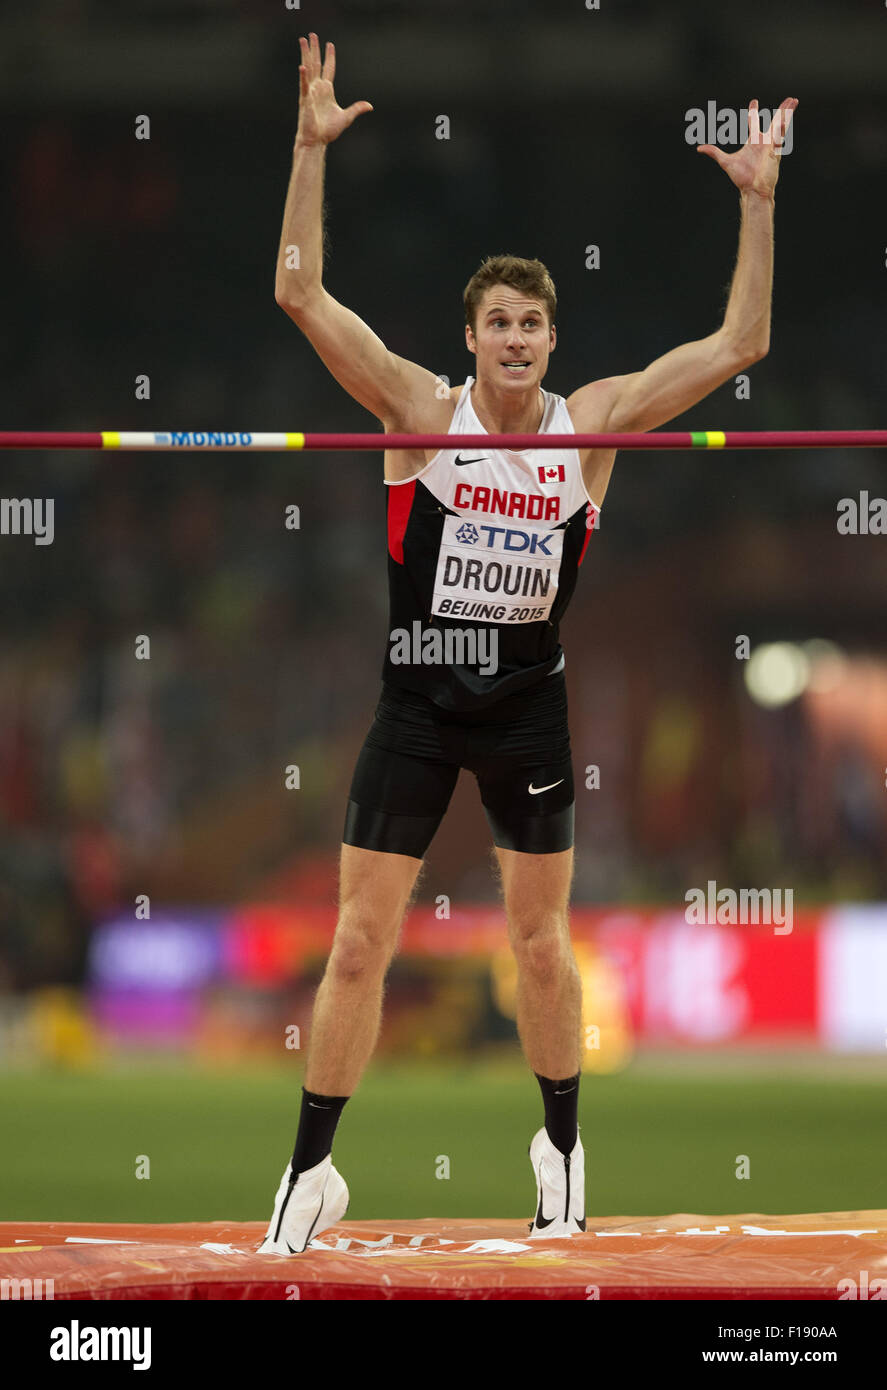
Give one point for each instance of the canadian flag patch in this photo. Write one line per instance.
(552, 473)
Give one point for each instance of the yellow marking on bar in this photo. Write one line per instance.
(295, 441)
(110, 439)
(714, 439)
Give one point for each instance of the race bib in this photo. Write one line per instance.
(496, 573)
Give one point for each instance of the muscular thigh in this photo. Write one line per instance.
(375, 890)
(536, 889)
(376, 885)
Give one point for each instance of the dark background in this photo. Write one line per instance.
(121, 257)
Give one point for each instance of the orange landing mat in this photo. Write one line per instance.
(829, 1255)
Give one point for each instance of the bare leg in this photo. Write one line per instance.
(374, 893)
(536, 889)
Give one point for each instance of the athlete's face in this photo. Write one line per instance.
(511, 328)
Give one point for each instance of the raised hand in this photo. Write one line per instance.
(321, 119)
(756, 166)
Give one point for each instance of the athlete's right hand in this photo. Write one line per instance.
(321, 119)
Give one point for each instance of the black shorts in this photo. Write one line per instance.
(518, 749)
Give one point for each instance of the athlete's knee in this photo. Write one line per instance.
(363, 944)
(540, 941)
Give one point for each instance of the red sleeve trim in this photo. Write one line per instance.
(589, 512)
(400, 501)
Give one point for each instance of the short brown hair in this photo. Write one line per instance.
(530, 277)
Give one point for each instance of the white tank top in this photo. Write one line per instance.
(489, 536)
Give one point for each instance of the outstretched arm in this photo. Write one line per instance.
(687, 374)
(379, 380)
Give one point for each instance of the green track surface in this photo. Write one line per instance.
(659, 1139)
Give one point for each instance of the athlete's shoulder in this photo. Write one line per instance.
(554, 401)
(589, 407)
(433, 416)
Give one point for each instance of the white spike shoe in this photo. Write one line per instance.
(560, 1187)
(304, 1207)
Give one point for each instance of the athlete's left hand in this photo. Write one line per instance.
(755, 168)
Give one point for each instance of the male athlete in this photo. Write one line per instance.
(484, 539)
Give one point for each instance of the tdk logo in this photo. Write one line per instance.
(532, 542)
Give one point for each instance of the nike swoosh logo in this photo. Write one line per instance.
(310, 1233)
(315, 1106)
(460, 461)
(542, 1221)
(534, 791)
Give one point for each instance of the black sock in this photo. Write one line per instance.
(561, 1111)
(317, 1125)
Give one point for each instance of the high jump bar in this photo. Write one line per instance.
(236, 441)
